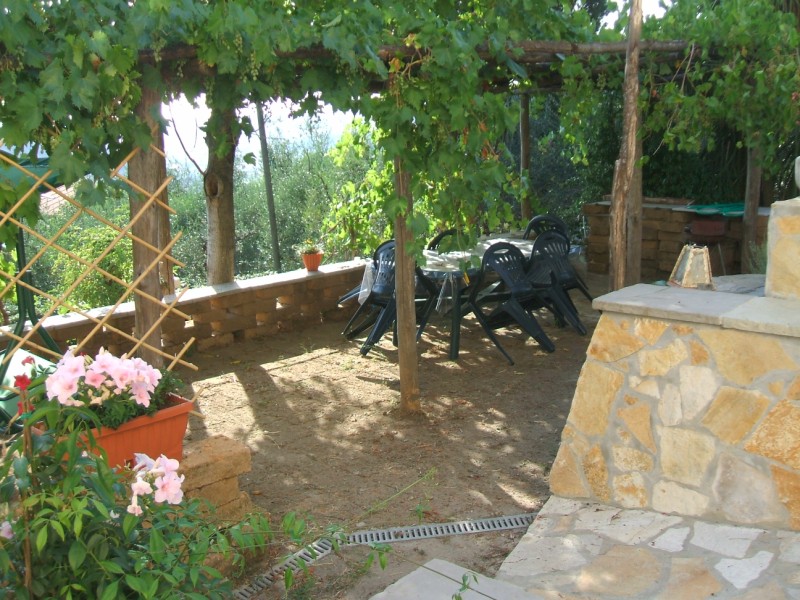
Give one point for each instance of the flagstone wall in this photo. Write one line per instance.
(689, 400)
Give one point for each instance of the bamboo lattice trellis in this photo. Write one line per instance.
(11, 281)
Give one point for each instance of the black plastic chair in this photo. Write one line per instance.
(379, 310)
(556, 246)
(507, 261)
(541, 272)
(356, 291)
(437, 240)
(543, 223)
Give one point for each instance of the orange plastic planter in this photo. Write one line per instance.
(312, 261)
(161, 433)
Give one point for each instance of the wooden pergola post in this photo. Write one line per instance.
(526, 210)
(752, 199)
(147, 169)
(625, 165)
(407, 358)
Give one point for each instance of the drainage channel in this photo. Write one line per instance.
(323, 547)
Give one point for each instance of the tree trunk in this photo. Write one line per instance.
(404, 284)
(147, 169)
(273, 220)
(526, 210)
(218, 184)
(165, 272)
(624, 167)
(751, 202)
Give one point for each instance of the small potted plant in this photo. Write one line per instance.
(311, 254)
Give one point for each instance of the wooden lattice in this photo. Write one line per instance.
(11, 281)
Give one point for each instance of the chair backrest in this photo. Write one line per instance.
(551, 243)
(436, 241)
(509, 263)
(384, 269)
(544, 223)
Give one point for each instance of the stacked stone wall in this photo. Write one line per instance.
(664, 233)
(222, 314)
(685, 418)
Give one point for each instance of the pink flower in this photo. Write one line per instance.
(71, 365)
(168, 488)
(140, 393)
(140, 487)
(6, 531)
(28, 360)
(134, 508)
(62, 386)
(143, 462)
(94, 378)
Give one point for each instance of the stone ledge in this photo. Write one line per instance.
(742, 312)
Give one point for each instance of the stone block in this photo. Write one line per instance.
(630, 490)
(613, 340)
(629, 459)
(623, 571)
(596, 390)
(690, 579)
(660, 361)
(734, 413)
(566, 476)
(788, 485)
(778, 436)
(685, 454)
(234, 510)
(746, 494)
(241, 296)
(741, 357)
(649, 329)
(233, 323)
(210, 315)
(596, 471)
(669, 497)
(250, 308)
(637, 419)
(218, 493)
(698, 387)
(214, 459)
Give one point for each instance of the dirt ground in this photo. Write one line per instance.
(328, 441)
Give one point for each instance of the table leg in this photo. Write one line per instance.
(455, 326)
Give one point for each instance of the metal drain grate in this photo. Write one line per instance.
(419, 532)
(323, 547)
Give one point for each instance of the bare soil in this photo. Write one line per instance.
(328, 440)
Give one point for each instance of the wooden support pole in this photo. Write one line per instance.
(526, 210)
(625, 165)
(752, 199)
(147, 169)
(404, 284)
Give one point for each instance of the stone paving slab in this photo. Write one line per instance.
(441, 580)
(584, 550)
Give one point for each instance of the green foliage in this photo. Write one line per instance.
(745, 75)
(88, 239)
(73, 537)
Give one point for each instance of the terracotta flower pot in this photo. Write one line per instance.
(312, 261)
(161, 433)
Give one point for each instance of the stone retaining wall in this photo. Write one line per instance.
(689, 400)
(664, 233)
(221, 314)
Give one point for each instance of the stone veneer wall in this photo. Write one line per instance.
(689, 400)
(221, 314)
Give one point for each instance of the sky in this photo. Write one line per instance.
(185, 120)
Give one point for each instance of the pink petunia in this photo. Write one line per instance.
(140, 393)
